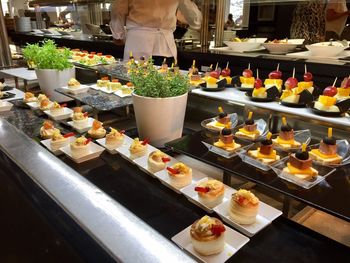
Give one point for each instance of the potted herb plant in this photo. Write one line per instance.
(29, 52)
(159, 103)
(52, 67)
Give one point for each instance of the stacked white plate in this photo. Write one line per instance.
(23, 24)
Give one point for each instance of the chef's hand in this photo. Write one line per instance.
(119, 42)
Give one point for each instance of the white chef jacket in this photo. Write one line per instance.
(337, 25)
(150, 25)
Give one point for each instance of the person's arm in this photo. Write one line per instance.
(191, 13)
(119, 12)
(331, 14)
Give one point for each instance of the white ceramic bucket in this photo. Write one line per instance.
(51, 79)
(160, 119)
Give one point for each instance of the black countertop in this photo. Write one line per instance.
(169, 213)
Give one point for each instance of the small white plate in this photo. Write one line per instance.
(57, 117)
(5, 106)
(142, 163)
(120, 94)
(47, 144)
(164, 178)
(102, 142)
(192, 195)
(81, 89)
(266, 215)
(95, 151)
(33, 105)
(104, 89)
(82, 129)
(233, 242)
(125, 153)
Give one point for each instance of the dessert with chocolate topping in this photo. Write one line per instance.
(300, 165)
(265, 153)
(250, 130)
(221, 121)
(226, 141)
(327, 151)
(285, 138)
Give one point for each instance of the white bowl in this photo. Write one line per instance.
(251, 44)
(280, 48)
(324, 49)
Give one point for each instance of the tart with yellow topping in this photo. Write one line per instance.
(47, 130)
(29, 97)
(285, 138)
(114, 138)
(157, 161)
(208, 236)
(80, 119)
(73, 83)
(103, 82)
(327, 151)
(300, 165)
(57, 109)
(250, 130)
(138, 148)
(58, 140)
(45, 104)
(180, 175)
(80, 146)
(97, 131)
(210, 192)
(244, 206)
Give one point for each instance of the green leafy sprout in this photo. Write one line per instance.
(47, 55)
(149, 82)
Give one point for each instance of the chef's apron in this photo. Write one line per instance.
(141, 41)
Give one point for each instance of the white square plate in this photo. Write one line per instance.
(104, 89)
(102, 142)
(266, 215)
(82, 129)
(95, 151)
(192, 195)
(33, 105)
(81, 89)
(47, 144)
(121, 94)
(5, 106)
(164, 178)
(125, 153)
(142, 163)
(65, 115)
(234, 241)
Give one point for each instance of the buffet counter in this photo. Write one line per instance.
(104, 187)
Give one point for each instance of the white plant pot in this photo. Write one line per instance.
(51, 79)
(160, 119)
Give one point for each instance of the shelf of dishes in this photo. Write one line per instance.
(331, 49)
(301, 98)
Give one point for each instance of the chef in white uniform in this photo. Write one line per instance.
(150, 25)
(336, 15)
